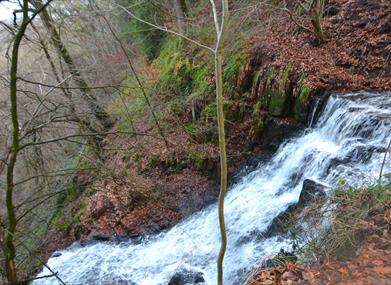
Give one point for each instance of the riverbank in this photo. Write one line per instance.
(354, 253)
(143, 186)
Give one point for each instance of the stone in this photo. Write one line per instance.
(310, 191)
(100, 237)
(56, 254)
(277, 130)
(186, 277)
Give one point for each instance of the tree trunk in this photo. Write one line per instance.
(315, 12)
(10, 229)
(180, 15)
(221, 31)
(99, 113)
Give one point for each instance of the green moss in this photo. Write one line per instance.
(268, 83)
(72, 194)
(276, 104)
(191, 128)
(180, 76)
(198, 158)
(128, 103)
(200, 76)
(301, 97)
(258, 119)
(76, 214)
(64, 226)
(277, 98)
(284, 77)
(137, 157)
(304, 93)
(232, 65)
(210, 111)
(260, 126)
(149, 39)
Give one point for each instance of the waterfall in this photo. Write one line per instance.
(348, 141)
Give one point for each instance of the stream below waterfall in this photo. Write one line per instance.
(348, 140)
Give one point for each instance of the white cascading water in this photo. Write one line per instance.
(348, 141)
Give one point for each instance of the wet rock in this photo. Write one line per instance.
(134, 238)
(311, 190)
(278, 130)
(277, 224)
(56, 254)
(364, 153)
(186, 277)
(316, 107)
(251, 164)
(114, 281)
(100, 237)
(198, 200)
(335, 162)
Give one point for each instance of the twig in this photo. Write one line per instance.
(55, 274)
(384, 161)
(80, 135)
(163, 28)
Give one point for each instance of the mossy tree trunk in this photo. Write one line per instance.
(10, 227)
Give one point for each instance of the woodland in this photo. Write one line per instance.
(261, 129)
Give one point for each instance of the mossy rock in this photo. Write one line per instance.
(301, 100)
(258, 118)
(277, 104)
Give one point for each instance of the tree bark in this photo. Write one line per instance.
(180, 15)
(315, 12)
(221, 30)
(10, 229)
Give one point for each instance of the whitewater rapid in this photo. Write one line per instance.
(348, 141)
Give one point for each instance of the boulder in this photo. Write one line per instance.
(311, 190)
(187, 277)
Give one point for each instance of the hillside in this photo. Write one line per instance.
(143, 157)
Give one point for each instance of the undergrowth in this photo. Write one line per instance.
(339, 224)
